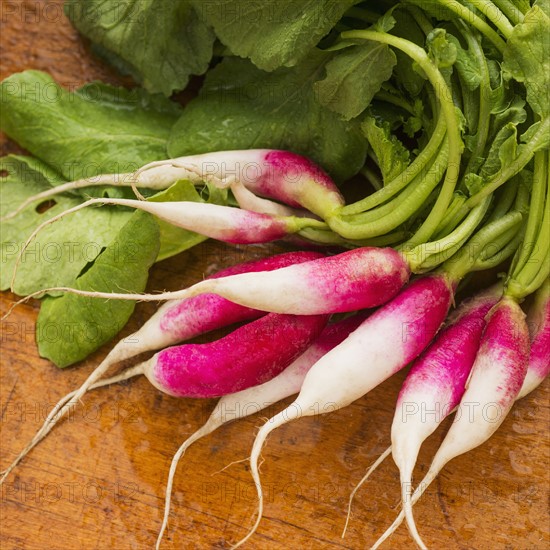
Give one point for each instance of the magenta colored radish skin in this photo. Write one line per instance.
(386, 342)
(205, 312)
(280, 175)
(442, 370)
(538, 321)
(505, 349)
(297, 181)
(422, 307)
(356, 279)
(250, 355)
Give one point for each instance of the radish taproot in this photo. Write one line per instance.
(223, 223)
(256, 398)
(437, 382)
(280, 175)
(434, 386)
(356, 279)
(494, 385)
(364, 359)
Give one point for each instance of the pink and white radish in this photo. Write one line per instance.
(280, 175)
(434, 386)
(494, 384)
(254, 399)
(538, 321)
(248, 356)
(382, 345)
(356, 279)
(223, 223)
(175, 321)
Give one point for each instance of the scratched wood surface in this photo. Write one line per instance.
(98, 481)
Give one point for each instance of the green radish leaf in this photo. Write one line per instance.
(272, 33)
(97, 129)
(242, 107)
(391, 154)
(58, 253)
(527, 57)
(405, 74)
(354, 75)
(70, 327)
(160, 42)
(441, 49)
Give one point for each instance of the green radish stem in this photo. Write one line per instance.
(536, 208)
(502, 248)
(412, 171)
(526, 279)
(420, 254)
(495, 15)
(512, 10)
(454, 140)
(389, 216)
(468, 15)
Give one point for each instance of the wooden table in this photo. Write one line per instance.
(98, 481)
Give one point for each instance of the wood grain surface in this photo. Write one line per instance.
(98, 481)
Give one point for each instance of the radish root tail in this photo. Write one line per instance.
(278, 420)
(374, 466)
(419, 491)
(105, 179)
(208, 428)
(408, 509)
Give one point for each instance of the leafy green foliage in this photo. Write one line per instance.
(354, 75)
(58, 253)
(391, 154)
(527, 57)
(272, 33)
(71, 327)
(242, 107)
(161, 42)
(97, 129)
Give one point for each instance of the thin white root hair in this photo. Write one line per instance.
(278, 420)
(419, 491)
(374, 466)
(232, 463)
(124, 375)
(206, 429)
(105, 179)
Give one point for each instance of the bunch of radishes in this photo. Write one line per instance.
(485, 354)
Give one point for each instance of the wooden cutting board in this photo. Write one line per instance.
(98, 481)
